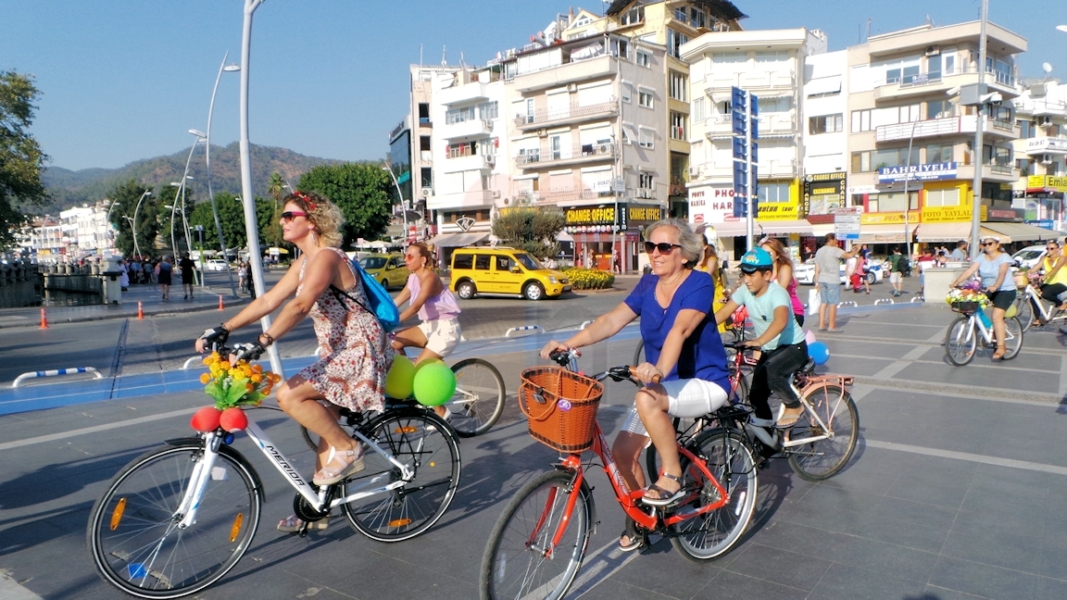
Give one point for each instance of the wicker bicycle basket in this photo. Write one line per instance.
(561, 407)
(1022, 279)
(966, 307)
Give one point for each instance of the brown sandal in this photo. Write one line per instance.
(998, 355)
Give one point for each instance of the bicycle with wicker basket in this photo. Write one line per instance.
(973, 326)
(537, 546)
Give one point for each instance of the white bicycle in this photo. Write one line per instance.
(961, 341)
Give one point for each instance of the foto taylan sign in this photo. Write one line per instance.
(928, 172)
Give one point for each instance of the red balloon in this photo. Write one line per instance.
(233, 419)
(206, 419)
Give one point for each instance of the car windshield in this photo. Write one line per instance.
(1028, 254)
(372, 262)
(528, 261)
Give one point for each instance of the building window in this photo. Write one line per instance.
(1026, 129)
(427, 177)
(949, 197)
(644, 59)
(678, 126)
(893, 201)
(424, 113)
(679, 86)
(681, 14)
(825, 124)
(674, 42)
(938, 109)
(722, 58)
(772, 57)
(646, 138)
(861, 121)
(645, 181)
(424, 143)
(698, 110)
(697, 18)
(488, 110)
(633, 16)
(774, 192)
(625, 92)
(555, 144)
(780, 104)
(645, 99)
(459, 115)
(939, 153)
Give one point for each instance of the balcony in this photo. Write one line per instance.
(468, 93)
(944, 126)
(995, 127)
(1041, 107)
(580, 153)
(566, 197)
(463, 161)
(990, 172)
(1046, 145)
(719, 127)
(772, 168)
(573, 72)
(923, 84)
(465, 199)
(466, 130)
(545, 117)
(777, 124)
(717, 83)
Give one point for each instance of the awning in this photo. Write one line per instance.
(954, 232)
(458, 240)
(760, 228)
(883, 234)
(1019, 232)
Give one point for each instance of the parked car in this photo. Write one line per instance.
(388, 269)
(1029, 257)
(804, 273)
(504, 271)
(216, 264)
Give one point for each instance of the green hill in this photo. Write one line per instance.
(74, 188)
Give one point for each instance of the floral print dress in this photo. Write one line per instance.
(356, 355)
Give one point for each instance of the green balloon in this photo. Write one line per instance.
(434, 383)
(400, 379)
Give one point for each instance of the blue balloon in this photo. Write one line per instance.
(819, 352)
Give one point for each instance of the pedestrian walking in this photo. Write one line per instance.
(164, 270)
(188, 269)
(960, 253)
(896, 271)
(828, 279)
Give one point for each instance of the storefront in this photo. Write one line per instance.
(1043, 200)
(608, 237)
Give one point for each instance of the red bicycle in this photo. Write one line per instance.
(538, 544)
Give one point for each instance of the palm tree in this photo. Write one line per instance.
(275, 187)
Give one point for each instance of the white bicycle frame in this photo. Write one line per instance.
(1035, 300)
(204, 469)
(808, 408)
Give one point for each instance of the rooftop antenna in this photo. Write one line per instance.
(444, 63)
(462, 63)
(868, 35)
(420, 55)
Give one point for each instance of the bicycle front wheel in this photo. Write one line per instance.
(520, 561)
(712, 534)
(479, 398)
(960, 341)
(424, 443)
(840, 424)
(135, 534)
(1013, 337)
(1024, 310)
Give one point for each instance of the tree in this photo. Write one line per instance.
(232, 218)
(21, 159)
(276, 188)
(361, 190)
(531, 228)
(124, 198)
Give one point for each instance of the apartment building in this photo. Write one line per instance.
(1041, 154)
(912, 131)
(771, 65)
(587, 135)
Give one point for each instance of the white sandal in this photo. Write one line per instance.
(292, 524)
(330, 475)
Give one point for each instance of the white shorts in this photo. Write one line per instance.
(896, 277)
(442, 336)
(687, 398)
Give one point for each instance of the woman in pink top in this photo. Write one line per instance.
(439, 332)
(783, 274)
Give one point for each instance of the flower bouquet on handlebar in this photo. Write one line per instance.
(967, 298)
(232, 385)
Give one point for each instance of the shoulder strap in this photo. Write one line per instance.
(338, 292)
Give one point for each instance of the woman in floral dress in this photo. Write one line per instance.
(356, 355)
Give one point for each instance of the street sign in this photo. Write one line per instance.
(847, 223)
(744, 109)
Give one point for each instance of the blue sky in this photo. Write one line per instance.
(123, 80)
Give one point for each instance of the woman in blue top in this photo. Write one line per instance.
(993, 268)
(686, 374)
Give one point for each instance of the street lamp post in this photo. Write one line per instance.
(976, 202)
(403, 204)
(133, 226)
(248, 197)
(135, 209)
(199, 229)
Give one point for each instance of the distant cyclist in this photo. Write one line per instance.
(439, 332)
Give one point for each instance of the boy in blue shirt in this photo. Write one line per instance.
(777, 334)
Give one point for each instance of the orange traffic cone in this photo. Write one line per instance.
(140, 310)
(220, 303)
(44, 318)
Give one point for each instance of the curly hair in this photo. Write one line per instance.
(322, 212)
(691, 246)
(781, 255)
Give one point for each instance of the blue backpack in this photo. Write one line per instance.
(381, 303)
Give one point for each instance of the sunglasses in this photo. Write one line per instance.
(989, 244)
(663, 247)
(289, 215)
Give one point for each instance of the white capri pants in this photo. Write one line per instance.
(687, 398)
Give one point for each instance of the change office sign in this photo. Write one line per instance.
(926, 172)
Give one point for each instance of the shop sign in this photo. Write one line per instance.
(822, 193)
(598, 215)
(641, 215)
(889, 218)
(847, 222)
(1043, 223)
(1041, 183)
(1005, 214)
(778, 211)
(949, 214)
(715, 205)
(925, 172)
(862, 190)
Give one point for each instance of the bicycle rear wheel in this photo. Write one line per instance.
(822, 459)
(424, 442)
(479, 399)
(517, 562)
(712, 534)
(134, 532)
(1024, 310)
(1013, 337)
(960, 341)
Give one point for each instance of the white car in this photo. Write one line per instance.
(215, 265)
(1029, 257)
(805, 272)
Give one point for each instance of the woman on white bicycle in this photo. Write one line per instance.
(992, 267)
(439, 332)
(1054, 281)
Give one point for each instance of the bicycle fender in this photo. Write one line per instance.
(230, 453)
(590, 500)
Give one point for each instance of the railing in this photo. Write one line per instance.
(678, 133)
(937, 77)
(541, 116)
(547, 155)
(1000, 169)
(560, 195)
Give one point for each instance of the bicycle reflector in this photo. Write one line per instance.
(397, 523)
(116, 515)
(238, 521)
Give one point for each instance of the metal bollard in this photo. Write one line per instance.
(884, 301)
(524, 328)
(55, 372)
(847, 303)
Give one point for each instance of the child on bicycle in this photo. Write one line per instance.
(784, 350)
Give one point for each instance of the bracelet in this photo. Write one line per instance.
(270, 340)
(223, 325)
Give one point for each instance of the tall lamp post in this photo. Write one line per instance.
(248, 197)
(133, 226)
(976, 202)
(403, 204)
(223, 68)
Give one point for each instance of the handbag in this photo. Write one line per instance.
(381, 303)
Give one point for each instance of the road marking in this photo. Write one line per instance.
(97, 428)
(967, 456)
(599, 567)
(890, 370)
